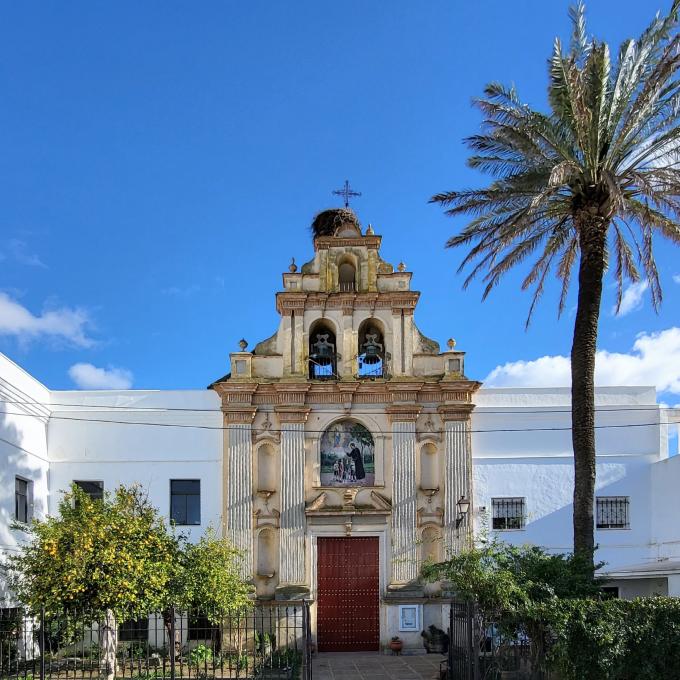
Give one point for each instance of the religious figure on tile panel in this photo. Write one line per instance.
(347, 455)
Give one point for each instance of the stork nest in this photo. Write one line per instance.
(327, 221)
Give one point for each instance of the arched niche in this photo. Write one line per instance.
(267, 553)
(267, 472)
(429, 466)
(371, 350)
(430, 544)
(323, 353)
(347, 455)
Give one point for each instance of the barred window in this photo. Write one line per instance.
(507, 513)
(612, 512)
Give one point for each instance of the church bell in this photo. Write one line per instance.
(372, 350)
(323, 353)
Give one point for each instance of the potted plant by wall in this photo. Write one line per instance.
(396, 644)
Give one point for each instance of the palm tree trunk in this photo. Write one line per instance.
(592, 238)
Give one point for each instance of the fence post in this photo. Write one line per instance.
(41, 642)
(449, 670)
(474, 643)
(306, 632)
(171, 643)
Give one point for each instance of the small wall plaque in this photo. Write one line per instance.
(409, 617)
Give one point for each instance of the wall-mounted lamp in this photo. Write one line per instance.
(463, 506)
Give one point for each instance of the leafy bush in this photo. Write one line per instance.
(232, 661)
(554, 603)
(503, 577)
(200, 655)
(615, 639)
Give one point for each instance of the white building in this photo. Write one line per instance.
(349, 431)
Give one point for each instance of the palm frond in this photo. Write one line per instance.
(579, 45)
(606, 157)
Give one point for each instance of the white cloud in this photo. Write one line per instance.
(676, 278)
(90, 377)
(653, 360)
(18, 251)
(63, 323)
(632, 298)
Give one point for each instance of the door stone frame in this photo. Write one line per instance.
(337, 531)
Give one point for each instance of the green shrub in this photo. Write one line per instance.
(200, 655)
(615, 639)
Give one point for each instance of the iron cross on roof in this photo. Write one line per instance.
(346, 192)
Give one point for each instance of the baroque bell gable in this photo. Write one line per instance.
(347, 422)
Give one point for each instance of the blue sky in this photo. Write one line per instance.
(161, 163)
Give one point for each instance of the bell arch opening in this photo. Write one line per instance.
(347, 277)
(323, 357)
(371, 354)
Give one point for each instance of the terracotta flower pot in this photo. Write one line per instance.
(396, 645)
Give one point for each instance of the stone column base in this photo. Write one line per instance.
(294, 592)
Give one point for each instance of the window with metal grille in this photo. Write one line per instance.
(134, 629)
(22, 499)
(612, 512)
(95, 490)
(185, 501)
(507, 513)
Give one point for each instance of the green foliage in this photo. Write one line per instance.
(208, 578)
(95, 555)
(286, 658)
(149, 675)
(200, 655)
(119, 554)
(237, 661)
(616, 639)
(502, 577)
(554, 600)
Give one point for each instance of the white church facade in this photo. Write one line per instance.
(346, 449)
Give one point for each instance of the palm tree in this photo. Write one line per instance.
(591, 182)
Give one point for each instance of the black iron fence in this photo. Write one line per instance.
(268, 642)
(493, 647)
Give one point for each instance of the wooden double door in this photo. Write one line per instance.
(348, 600)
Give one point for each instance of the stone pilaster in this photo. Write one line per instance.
(239, 484)
(404, 557)
(292, 521)
(458, 478)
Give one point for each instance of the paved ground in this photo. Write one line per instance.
(375, 666)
